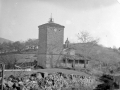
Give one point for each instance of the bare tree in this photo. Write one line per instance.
(85, 37)
(9, 60)
(53, 49)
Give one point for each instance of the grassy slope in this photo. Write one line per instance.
(99, 55)
(17, 73)
(97, 52)
(4, 40)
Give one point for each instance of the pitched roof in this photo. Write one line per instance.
(72, 53)
(51, 25)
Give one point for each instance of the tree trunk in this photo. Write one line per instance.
(84, 63)
(66, 62)
(74, 64)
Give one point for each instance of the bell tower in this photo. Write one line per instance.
(51, 37)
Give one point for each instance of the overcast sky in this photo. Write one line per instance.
(19, 19)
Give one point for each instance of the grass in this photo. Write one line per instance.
(23, 72)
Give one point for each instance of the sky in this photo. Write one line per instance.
(19, 19)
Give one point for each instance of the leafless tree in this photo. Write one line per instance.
(9, 60)
(53, 49)
(85, 37)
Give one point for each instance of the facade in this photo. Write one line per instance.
(51, 38)
(70, 56)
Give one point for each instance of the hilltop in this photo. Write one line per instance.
(4, 40)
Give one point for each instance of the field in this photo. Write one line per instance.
(25, 72)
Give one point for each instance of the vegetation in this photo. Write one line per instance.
(85, 38)
(4, 40)
(101, 58)
(107, 83)
(18, 46)
(9, 50)
(9, 60)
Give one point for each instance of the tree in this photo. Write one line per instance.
(107, 83)
(10, 46)
(84, 37)
(4, 47)
(18, 46)
(1, 48)
(9, 60)
(52, 50)
(32, 43)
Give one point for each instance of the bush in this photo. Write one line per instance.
(108, 83)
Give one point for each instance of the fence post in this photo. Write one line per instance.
(3, 66)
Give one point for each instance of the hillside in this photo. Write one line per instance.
(4, 40)
(101, 58)
(97, 52)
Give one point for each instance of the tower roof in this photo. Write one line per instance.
(51, 24)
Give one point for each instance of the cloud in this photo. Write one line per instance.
(82, 4)
(68, 22)
(118, 1)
